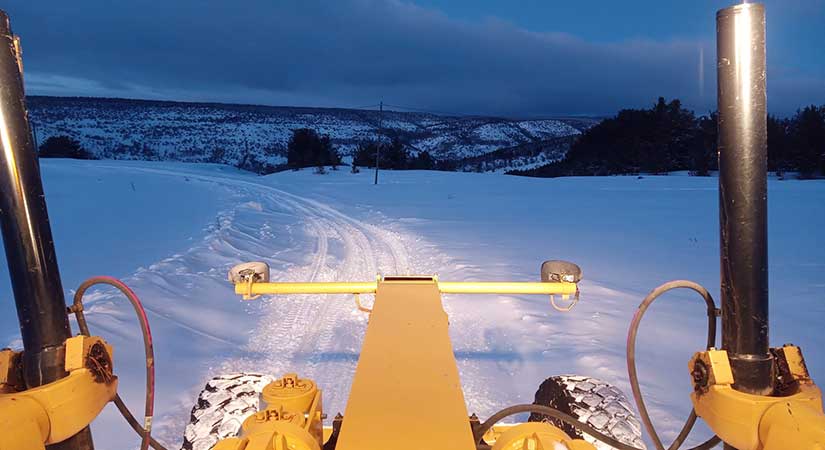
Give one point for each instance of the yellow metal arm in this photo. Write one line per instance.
(250, 290)
(759, 422)
(507, 287)
(54, 412)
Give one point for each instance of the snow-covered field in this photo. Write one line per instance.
(172, 231)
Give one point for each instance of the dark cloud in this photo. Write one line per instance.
(354, 52)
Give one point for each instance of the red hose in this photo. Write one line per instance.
(146, 430)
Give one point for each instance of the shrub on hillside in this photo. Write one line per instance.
(63, 147)
(307, 149)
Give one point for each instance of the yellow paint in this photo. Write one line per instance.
(9, 381)
(756, 422)
(250, 290)
(70, 404)
(290, 392)
(77, 351)
(290, 420)
(24, 424)
(796, 363)
(65, 406)
(406, 392)
(508, 287)
(538, 436)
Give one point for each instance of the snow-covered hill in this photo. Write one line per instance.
(197, 132)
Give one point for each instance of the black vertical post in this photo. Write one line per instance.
(378, 144)
(27, 236)
(743, 201)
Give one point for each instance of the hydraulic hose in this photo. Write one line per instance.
(552, 412)
(144, 431)
(712, 313)
(479, 432)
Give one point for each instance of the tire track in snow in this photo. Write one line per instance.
(317, 336)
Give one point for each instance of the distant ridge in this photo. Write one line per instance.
(122, 128)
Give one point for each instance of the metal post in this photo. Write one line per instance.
(35, 280)
(378, 145)
(743, 203)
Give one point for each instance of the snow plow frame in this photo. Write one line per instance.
(406, 369)
(251, 289)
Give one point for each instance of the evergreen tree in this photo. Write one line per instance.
(705, 156)
(63, 147)
(306, 149)
(394, 155)
(808, 139)
(778, 145)
(217, 155)
(424, 161)
(365, 154)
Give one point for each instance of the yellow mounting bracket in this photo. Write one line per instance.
(756, 422)
(48, 414)
(539, 436)
(291, 419)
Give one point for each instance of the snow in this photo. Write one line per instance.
(192, 131)
(541, 129)
(172, 230)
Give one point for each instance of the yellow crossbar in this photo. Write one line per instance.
(249, 290)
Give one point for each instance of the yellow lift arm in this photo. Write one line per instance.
(31, 419)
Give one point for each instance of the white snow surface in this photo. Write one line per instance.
(172, 231)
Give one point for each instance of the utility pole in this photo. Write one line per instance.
(378, 144)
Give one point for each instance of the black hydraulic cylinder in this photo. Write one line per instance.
(743, 201)
(27, 236)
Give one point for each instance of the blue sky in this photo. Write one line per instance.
(512, 58)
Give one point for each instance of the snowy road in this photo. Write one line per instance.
(302, 240)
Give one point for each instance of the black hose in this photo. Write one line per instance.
(77, 307)
(552, 412)
(631, 360)
(483, 428)
(130, 418)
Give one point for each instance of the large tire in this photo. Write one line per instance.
(222, 406)
(594, 402)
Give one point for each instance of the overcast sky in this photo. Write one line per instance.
(505, 57)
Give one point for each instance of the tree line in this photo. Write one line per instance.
(394, 155)
(664, 138)
(306, 148)
(668, 137)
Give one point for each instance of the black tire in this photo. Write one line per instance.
(594, 402)
(222, 406)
